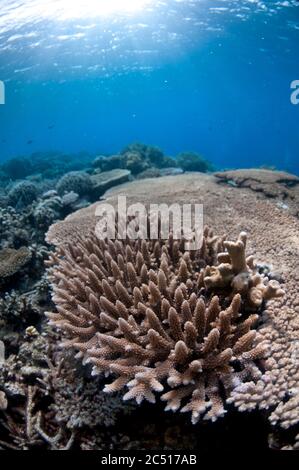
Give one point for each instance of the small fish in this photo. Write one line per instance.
(29, 142)
(51, 126)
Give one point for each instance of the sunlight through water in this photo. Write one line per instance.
(68, 9)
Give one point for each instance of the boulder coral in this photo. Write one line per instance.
(22, 194)
(77, 181)
(162, 320)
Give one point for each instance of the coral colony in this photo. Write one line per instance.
(162, 321)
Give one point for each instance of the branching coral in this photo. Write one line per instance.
(160, 318)
(240, 274)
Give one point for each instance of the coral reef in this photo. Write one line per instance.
(101, 182)
(107, 163)
(12, 261)
(46, 212)
(156, 172)
(45, 164)
(17, 168)
(19, 310)
(15, 230)
(57, 398)
(149, 173)
(153, 318)
(273, 236)
(69, 199)
(134, 162)
(136, 158)
(77, 181)
(48, 400)
(79, 403)
(22, 194)
(191, 161)
(150, 155)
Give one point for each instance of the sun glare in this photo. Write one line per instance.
(96, 8)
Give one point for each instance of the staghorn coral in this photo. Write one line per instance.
(162, 318)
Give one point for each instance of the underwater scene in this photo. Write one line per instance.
(149, 227)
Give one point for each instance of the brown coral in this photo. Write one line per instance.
(238, 272)
(11, 261)
(160, 318)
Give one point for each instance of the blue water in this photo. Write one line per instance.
(208, 76)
